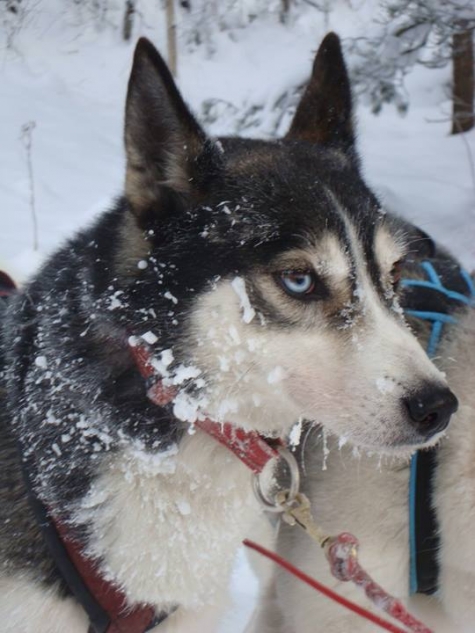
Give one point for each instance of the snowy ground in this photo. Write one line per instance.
(71, 80)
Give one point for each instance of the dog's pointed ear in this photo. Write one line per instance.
(163, 141)
(325, 114)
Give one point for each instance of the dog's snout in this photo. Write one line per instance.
(430, 409)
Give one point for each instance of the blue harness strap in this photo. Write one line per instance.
(438, 319)
(423, 537)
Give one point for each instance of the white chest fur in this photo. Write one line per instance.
(167, 526)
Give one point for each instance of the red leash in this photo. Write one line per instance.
(326, 591)
(341, 552)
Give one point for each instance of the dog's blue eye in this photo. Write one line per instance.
(296, 283)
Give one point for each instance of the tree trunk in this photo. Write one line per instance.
(128, 19)
(284, 12)
(463, 115)
(171, 36)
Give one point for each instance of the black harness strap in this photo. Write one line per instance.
(98, 618)
(426, 530)
(444, 290)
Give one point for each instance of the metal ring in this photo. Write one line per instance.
(272, 505)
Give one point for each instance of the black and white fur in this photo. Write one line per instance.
(193, 259)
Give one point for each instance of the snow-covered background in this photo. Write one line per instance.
(63, 74)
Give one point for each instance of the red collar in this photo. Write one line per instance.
(252, 449)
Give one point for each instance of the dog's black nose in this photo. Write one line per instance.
(430, 409)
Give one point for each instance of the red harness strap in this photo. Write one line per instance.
(252, 449)
(104, 603)
(123, 619)
(7, 285)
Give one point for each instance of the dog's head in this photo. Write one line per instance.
(272, 269)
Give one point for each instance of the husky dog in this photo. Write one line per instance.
(262, 276)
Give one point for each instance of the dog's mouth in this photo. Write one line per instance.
(403, 445)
